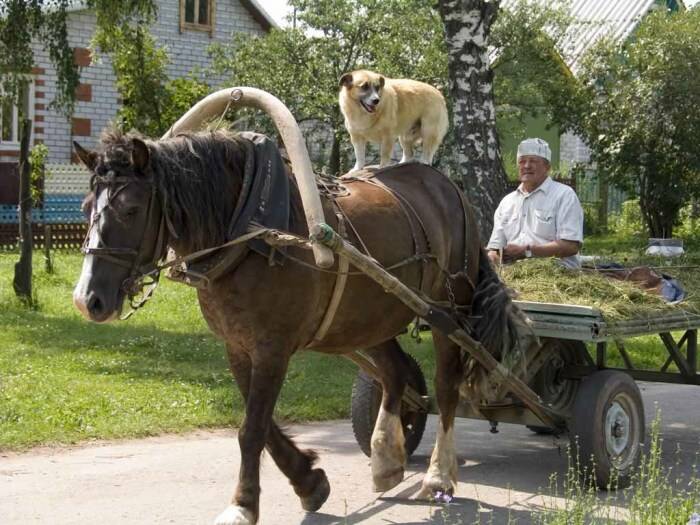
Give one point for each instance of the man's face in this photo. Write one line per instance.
(532, 170)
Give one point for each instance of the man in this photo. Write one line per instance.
(542, 218)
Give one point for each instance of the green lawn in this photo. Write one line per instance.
(64, 380)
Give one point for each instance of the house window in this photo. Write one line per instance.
(197, 14)
(11, 116)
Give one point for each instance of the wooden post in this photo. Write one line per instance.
(23, 269)
(603, 190)
(47, 248)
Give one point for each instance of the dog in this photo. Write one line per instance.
(379, 109)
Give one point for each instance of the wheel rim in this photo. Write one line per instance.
(621, 429)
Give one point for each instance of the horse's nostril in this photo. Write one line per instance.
(95, 305)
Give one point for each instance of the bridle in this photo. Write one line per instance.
(142, 272)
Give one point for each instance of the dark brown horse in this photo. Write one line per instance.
(182, 193)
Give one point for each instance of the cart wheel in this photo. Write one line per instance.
(607, 427)
(364, 408)
(555, 390)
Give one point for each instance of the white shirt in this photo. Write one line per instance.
(550, 213)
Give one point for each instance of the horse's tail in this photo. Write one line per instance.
(499, 326)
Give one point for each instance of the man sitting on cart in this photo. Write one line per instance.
(541, 218)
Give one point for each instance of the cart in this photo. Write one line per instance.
(600, 407)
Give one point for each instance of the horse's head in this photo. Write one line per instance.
(126, 234)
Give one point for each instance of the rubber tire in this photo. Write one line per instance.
(364, 407)
(572, 353)
(587, 427)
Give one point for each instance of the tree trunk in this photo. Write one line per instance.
(23, 269)
(476, 155)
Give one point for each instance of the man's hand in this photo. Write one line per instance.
(513, 252)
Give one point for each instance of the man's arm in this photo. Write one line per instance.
(558, 248)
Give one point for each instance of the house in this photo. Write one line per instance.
(593, 20)
(185, 27)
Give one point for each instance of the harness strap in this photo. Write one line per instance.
(338, 288)
(406, 207)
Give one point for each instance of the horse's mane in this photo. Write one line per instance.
(195, 174)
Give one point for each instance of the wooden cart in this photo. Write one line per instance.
(600, 407)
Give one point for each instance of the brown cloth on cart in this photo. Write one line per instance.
(646, 278)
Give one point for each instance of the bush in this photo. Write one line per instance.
(628, 223)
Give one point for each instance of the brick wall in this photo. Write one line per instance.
(97, 100)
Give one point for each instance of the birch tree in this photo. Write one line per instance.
(476, 150)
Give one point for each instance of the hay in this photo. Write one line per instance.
(545, 280)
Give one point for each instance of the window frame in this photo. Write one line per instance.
(196, 26)
(14, 143)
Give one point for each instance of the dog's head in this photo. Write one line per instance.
(364, 87)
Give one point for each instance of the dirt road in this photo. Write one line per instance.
(189, 479)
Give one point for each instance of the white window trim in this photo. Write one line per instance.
(14, 144)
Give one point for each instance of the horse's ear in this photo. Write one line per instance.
(345, 80)
(89, 158)
(140, 156)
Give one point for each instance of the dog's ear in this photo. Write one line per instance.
(345, 80)
(381, 82)
(88, 158)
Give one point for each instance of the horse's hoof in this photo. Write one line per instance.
(315, 500)
(436, 491)
(235, 515)
(387, 480)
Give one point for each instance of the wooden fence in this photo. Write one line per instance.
(59, 213)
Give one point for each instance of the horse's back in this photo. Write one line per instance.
(435, 200)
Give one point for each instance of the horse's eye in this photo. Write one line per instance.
(130, 212)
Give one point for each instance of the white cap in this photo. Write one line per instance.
(536, 147)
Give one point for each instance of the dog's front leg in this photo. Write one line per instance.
(359, 145)
(386, 148)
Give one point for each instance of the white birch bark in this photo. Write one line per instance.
(476, 154)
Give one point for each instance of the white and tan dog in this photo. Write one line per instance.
(379, 109)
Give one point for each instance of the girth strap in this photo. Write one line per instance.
(338, 288)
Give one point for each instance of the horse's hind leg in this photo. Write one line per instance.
(311, 485)
(388, 453)
(442, 472)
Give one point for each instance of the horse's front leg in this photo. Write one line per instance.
(265, 381)
(310, 484)
(442, 472)
(388, 451)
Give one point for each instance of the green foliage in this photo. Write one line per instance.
(302, 66)
(180, 95)
(37, 160)
(591, 220)
(139, 66)
(641, 113)
(44, 21)
(530, 78)
(628, 223)
(658, 495)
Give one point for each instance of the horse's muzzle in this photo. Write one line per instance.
(94, 307)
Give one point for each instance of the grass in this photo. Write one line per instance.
(64, 380)
(658, 494)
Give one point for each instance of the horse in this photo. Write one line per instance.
(181, 193)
